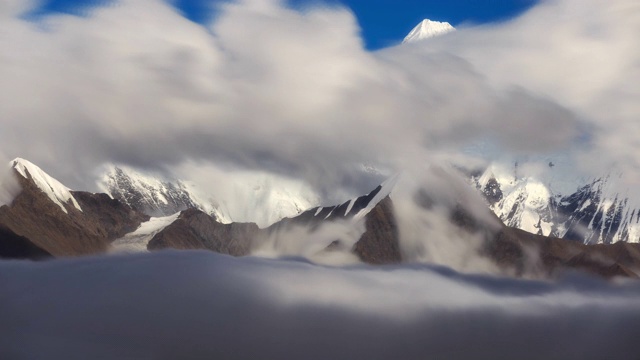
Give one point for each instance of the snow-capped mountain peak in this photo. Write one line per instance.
(428, 29)
(562, 203)
(56, 191)
(152, 195)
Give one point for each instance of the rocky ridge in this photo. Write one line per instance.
(47, 219)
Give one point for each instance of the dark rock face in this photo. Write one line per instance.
(34, 216)
(14, 246)
(111, 218)
(492, 191)
(380, 243)
(195, 229)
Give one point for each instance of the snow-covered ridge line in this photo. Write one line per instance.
(357, 208)
(428, 29)
(56, 191)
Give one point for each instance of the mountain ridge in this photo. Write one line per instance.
(35, 226)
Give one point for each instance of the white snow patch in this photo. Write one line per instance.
(329, 214)
(350, 206)
(137, 241)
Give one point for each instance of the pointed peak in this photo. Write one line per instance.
(23, 166)
(428, 29)
(55, 190)
(21, 163)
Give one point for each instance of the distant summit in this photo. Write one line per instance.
(428, 29)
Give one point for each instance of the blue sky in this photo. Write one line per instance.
(383, 22)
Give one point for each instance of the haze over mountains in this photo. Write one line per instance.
(282, 192)
(48, 219)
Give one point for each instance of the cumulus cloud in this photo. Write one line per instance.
(579, 54)
(264, 87)
(205, 305)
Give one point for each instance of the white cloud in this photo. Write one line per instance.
(266, 87)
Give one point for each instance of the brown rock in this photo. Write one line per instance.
(195, 229)
(380, 242)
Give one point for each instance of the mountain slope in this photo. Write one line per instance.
(55, 191)
(62, 222)
(153, 196)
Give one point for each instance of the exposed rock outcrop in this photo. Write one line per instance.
(195, 229)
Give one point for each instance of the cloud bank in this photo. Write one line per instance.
(271, 89)
(171, 305)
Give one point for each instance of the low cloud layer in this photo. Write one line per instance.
(171, 305)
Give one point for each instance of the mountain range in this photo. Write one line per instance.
(590, 210)
(47, 219)
(549, 223)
